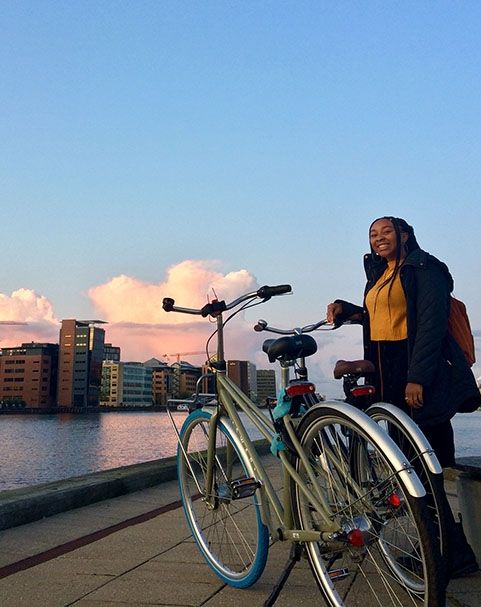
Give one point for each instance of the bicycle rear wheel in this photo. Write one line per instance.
(412, 442)
(228, 530)
(398, 560)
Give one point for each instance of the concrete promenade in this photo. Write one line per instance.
(136, 550)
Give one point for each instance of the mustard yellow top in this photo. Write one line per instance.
(387, 308)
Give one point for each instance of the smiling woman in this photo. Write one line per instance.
(418, 365)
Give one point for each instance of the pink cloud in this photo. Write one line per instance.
(26, 306)
(137, 322)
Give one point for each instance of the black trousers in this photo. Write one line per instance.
(391, 379)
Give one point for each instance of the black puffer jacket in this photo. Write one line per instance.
(435, 359)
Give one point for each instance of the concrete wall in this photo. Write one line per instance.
(469, 499)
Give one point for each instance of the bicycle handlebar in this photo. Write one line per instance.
(216, 307)
(263, 326)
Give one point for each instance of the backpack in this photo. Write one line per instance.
(460, 329)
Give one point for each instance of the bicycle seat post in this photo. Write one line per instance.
(284, 374)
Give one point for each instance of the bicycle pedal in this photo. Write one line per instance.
(338, 574)
(244, 487)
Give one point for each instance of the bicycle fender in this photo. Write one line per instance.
(375, 412)
(384, 442)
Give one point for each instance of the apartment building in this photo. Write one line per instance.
(126, 384)
(266, 385)
(28, 375)
(243, 373)
(162, 382)
(111, 353)
(81, 352)
(184, 379)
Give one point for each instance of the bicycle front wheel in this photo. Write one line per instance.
(397, 562)
(228, 529)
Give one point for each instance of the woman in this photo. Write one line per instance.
(419, 366)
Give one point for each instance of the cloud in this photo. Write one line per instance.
(191, 283)
(137, 322)
(36, 311)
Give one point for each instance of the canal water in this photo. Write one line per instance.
(42, 448)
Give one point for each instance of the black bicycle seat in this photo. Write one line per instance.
(289, 347)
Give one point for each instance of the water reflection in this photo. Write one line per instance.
(38, 449)
(41, 448)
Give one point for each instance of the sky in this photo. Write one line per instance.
(152, 149)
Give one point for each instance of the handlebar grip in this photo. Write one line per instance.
(267, 292)
(168, 304)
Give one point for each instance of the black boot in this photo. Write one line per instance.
(464, 559)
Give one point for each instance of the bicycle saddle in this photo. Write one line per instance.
(353, 367)
(289, 347)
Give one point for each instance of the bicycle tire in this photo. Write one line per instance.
(415, 446)
(374, 573)
(230, 533)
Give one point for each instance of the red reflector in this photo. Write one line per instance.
(394, 500)
(363, 391)
(298, 389)
(355, 538)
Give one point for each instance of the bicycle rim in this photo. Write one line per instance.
(397, 564)
(229, 532)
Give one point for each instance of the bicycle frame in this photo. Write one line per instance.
(276, 514)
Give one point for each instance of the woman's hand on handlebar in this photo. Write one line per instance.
(333, 310)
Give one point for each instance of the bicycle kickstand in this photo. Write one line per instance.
(294, 557)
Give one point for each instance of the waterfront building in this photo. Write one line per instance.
(126, 384)
(243, 374)
(266, 385)
(109, 385)
(184, 379)
(28, 375)
(162, 381)
(111, 353)
(81, 352)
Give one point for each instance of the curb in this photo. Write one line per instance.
(29, 504)
(21, 506)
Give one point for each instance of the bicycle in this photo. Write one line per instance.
(353, 530)
(404, 431)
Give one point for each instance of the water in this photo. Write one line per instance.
(42, 448)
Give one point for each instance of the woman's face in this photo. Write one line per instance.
(383, 239)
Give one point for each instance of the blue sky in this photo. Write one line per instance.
(265, 135)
